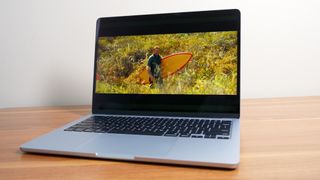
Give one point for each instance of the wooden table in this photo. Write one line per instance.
(280, 139)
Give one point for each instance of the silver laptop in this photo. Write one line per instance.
(166, 89)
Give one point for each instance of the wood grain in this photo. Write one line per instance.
(280, 139)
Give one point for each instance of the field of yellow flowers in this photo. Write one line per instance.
(212, 70)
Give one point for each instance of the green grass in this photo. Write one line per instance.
(213, 69)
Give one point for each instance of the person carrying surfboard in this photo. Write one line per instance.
(154, 67)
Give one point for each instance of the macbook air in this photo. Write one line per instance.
(166, 89)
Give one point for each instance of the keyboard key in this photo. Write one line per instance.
(172, 135)
(185, 135)
(197, 136)
(223, 138)
(211, 136)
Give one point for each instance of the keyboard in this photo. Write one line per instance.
(156, 126)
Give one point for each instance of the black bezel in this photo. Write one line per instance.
(203, 21)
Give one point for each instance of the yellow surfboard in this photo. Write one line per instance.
(169, 65)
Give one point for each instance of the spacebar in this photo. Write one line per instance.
(150, 133)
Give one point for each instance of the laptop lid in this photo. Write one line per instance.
(178, 62)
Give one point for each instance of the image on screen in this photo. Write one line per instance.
(202, 63)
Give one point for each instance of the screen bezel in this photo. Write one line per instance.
(203, 21)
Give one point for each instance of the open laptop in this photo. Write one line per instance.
(166, 89)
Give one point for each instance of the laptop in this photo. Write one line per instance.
(166, 89)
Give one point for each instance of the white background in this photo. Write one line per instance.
(47, 47)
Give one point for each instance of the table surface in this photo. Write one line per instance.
(280, 138)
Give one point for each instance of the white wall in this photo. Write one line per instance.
(47, 47)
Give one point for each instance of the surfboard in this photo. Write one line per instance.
(169, 65)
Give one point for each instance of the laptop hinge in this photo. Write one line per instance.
(171, 114)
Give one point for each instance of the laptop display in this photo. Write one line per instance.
(197, 63)
(183, 62)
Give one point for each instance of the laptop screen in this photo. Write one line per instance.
(175, 62)
(199, 63)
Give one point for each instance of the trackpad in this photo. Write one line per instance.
(128, 145)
